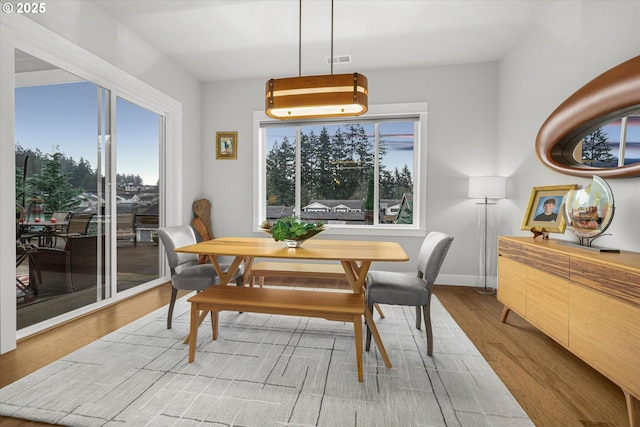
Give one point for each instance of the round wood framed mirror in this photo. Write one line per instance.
(612, 95)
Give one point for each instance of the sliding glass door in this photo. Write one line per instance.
(139, 135)
(88, 192)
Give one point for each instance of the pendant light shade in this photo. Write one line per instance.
(331, 95)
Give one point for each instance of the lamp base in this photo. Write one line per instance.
(485, 290)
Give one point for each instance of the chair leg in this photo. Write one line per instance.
(418, 318)
(368, 341)
(174, 294)
(427, 322)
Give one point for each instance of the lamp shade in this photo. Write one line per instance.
(487, 187)
(332, 95)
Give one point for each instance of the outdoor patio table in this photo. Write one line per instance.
(45, 237)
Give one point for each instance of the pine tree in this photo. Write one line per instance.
(52, 184)
(281, 174)
(596, 151)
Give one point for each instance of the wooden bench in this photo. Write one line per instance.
(340, 306)
(296, 269)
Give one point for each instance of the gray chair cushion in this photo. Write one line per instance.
(389, 287)
(186, 272)
(197, 277)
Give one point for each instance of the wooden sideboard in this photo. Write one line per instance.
(587, 301)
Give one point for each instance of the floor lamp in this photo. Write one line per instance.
(488, 189)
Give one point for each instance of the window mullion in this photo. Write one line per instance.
(623, 140)
(298, 180)
(376, 175)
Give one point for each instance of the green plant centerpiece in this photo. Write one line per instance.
(292, 231)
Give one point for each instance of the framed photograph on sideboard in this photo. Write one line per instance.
(545, 208)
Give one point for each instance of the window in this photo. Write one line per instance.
(613, 145)
(354, 173)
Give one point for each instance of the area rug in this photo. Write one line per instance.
(268, 370)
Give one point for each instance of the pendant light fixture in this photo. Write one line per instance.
(332, 95)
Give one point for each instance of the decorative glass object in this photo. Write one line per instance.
(589, 211)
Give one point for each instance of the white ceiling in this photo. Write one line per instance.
(236, 39)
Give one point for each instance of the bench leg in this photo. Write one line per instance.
(214, 325)
(357, 334)
(379, 310)
(201, 318)
(193, 332)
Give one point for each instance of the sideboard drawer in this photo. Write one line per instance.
(512, 250)
(552, 263)
(618, 282)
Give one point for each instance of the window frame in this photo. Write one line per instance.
(376, 112)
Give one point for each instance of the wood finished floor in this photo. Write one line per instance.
(554, 387)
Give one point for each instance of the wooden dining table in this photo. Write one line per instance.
(355, 256)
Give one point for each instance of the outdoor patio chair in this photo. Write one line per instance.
(126, 227)
(78, 225)
(70, 269)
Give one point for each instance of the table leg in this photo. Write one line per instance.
(356, 275)
(357, 334)
(376, 336)
(193, 332)
(225, 277)
(633, 408)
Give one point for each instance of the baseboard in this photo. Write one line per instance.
(465, 280)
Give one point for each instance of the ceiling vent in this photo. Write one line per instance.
(341, 59)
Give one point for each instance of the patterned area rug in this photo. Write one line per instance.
(268, 370)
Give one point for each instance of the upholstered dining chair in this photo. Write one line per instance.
(394, 288)
(186, 273)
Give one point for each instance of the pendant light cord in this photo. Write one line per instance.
(331, 37)
(300, 39)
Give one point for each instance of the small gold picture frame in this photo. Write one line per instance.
(227, 145)
(545, 208)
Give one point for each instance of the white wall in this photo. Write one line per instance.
(573, 43)
(461, 141)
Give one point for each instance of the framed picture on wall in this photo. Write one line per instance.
(545, 208)
(227, 145)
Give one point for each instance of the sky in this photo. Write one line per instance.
(65, 115)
